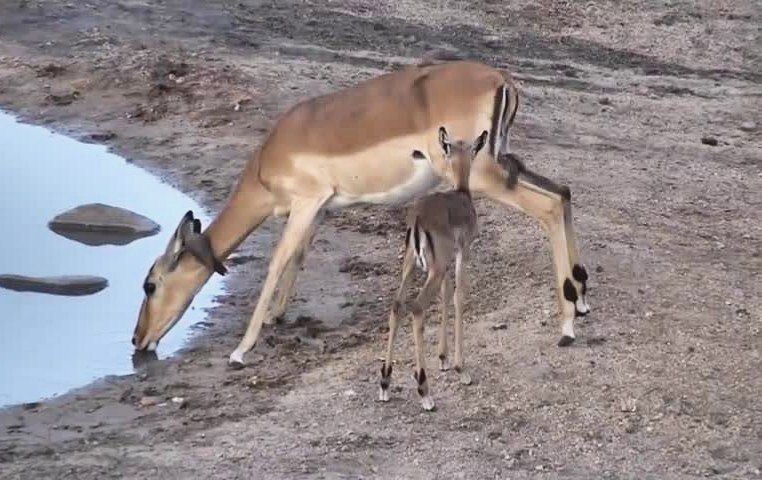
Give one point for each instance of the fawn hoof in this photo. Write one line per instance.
(465, 378)
(428, 403)
(444, 363)
(236, 360)
(565, 341)
(383, 395)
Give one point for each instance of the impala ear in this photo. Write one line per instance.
(444, 140)
(189, 239)
(184, 229)
(479, 142)
(200, 247)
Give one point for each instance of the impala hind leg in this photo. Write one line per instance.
(461, 291)
(288, 279)
(443, 350)
(549, 203)
(303, 213)
(429, 290)
(394, 315)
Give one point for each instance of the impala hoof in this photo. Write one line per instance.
(444, 363)
(565, 341)
(581, 307)
(428, 404)
(236, 360)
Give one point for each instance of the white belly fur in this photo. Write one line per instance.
(420, 182)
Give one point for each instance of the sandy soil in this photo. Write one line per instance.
(664, 381)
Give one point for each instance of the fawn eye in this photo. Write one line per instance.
(149, 288)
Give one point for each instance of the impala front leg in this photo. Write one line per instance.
(300, 220)
(288, 280)
(550, 204)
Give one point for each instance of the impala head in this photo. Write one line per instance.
(173, 280)
(459, 155)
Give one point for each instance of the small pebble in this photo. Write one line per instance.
(711, 141)
(148, 401)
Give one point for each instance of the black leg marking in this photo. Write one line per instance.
(416, 239)
(570, 293)
(420, 377)
(386, 375)
(431, 242)
(565, 341)
(579, 273)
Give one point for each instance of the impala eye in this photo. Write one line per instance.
(149, 288)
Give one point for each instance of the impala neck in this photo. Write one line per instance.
(233, 224)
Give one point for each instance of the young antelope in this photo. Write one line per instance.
(440, 229)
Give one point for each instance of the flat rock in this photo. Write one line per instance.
(72, 285)
(99, 224)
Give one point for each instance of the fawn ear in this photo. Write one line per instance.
(479, 142)
(444, 140)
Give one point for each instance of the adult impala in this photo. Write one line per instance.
(363, 145)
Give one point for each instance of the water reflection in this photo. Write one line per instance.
(51, 344)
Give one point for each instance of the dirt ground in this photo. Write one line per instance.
(665, 378)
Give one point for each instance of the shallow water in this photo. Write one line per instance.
(50, 344)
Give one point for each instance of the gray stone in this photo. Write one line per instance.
(748, 126)
(99, 224)
(72, 285)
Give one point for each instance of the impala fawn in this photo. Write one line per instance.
(440, 229)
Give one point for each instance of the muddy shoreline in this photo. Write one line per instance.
(616, 98)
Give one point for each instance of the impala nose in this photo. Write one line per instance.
(134, 341)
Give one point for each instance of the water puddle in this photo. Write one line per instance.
(50, 344)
